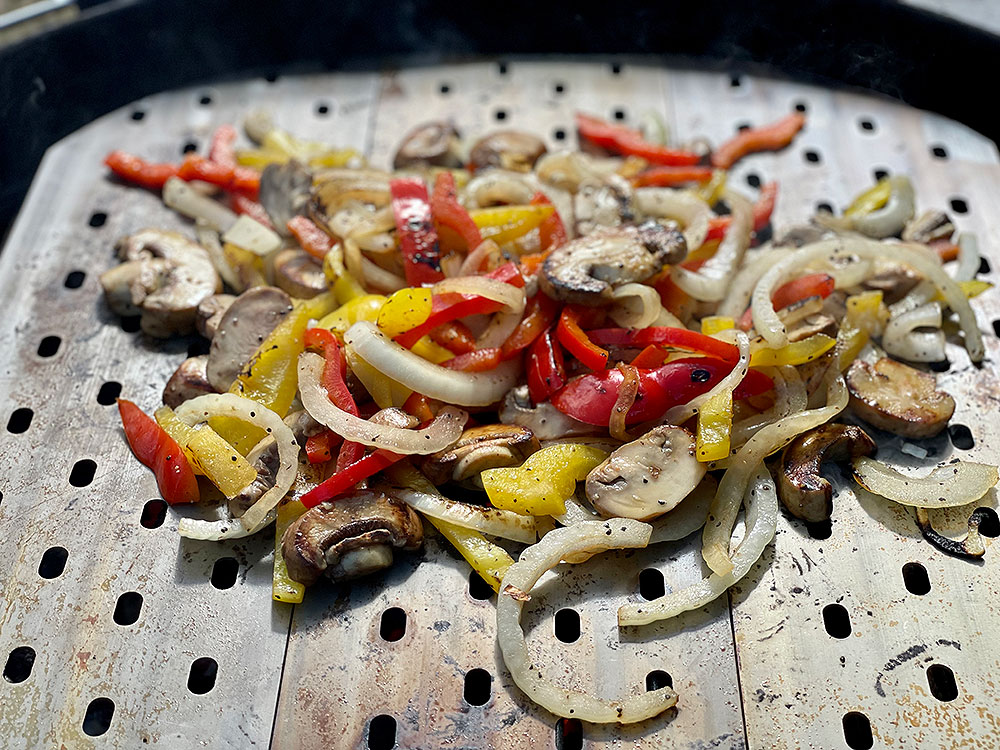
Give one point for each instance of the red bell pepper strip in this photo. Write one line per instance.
(771, 137)
(812, 285)
(313, 240)
(762, 211)
(448, 307)
(546, 368)
(420, 407)
(531, 263)
(333, 370)
(630, 142)
(246, 181)
(577, 343)
(418, 242)
(945, 248)
(195, 167)
(590, 398)
(539, 314)
(319, 447)
(221, 151)
(161, 453)
(552, 231)
(454, 336)
(448, 212)
(677, 338)
(346, 478)
(480, 360)
(650, 357)
(671, 176)
(139, 171)
(241, 204)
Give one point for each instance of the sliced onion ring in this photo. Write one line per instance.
(494, 521)
(498, 291)
(416, 373)
(442, 432)
(635, 306)
(680, 205)
(198, 410)
(946, 486)
(587, 536)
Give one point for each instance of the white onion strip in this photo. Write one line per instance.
(680, 414)
(438, 435)
(710, 282)
(681, 205)
(737, 298)
(903, 341)
(482, 286)
(198, 410)
(494, 521)
(635, 306)
(761, 502)
(585, 537)
(773, 437)
(417, 374)
(473, 262)
(947, 486)
(688, 515)
(968, 257)
(769, 325)
(181, 197)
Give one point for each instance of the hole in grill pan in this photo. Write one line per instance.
(53, 562)
(224, 572)
(959, 206)
(559, 134)
(502, 68)
(97, 720)
(83, 472)
(880, 174)
(989, 522)
(131, 323)
(381, 732)
(127, 608)
(820, 529)
(812, 156)
(735, 81)
(271, 77)
(393, 624)
(618, 113)
(478, 685)
(569, 734)
(189, 147)
(109, 392)
(616, 69)
(651, 584)
(941, 366)
(939, 151)
(915, 578)
(836, 620)
(858, 731)
(996, 328)
(20, 420)
(97, 219)
(801, 107)
(824, 207)
(19, 664)
(867, 124)
(961, 436)
(138, 115)
(984, 265)
(444, 88)
(201, 678)
(322, 109)
(942, 682)
(74, 279)
(478, 588)
(205, 100)
(743, 126)
(48, 346)
(153, 513)
(658, 679)
(567, 625)
(559, 88)
(500, 114)
(753, 180)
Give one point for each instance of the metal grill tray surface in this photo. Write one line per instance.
(115, 632)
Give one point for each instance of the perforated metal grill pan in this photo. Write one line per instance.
(830, 642)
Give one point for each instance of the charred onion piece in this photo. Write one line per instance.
(586, 270)
(484, 447)
(803, 491)
(508, 149)
(433, 144)
(898, 398)
(970, 548)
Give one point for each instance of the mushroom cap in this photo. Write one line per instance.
(647, 477)
(479, 448)
(188, 381)
(544, 420)
(898, 398)
(299, 274)
(507, 149)
(431, 144)
(284, 192)
(210, 312)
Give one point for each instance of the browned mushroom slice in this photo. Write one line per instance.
(894, 284)
(335, 188)
(929, 226)
(299, 274)
(544, 420)
(802, 489)
(898, 398)
(480, 448)
(284, 193)
(189, 380)
(210, 312)
(647, 477)
(507, 149)
(586, 270)
(433, 144)
(605, 204)
(349, 538)
(244, 326)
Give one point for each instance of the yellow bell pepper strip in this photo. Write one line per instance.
(796, 353)
(345, 286)
(971, 289)
(489, 560)
(711, 191)
(283, 587)
(279, 146)
(220, 462)
(430, 350)
(405, 309)
(384, 390)
(850, 342)
(540, 485)
(503, 224)
(694, 259)
(871, 199)
(365, 307)
(715, 423)
(179, 430)
(866, 311)
(248, 266)
(712, 324)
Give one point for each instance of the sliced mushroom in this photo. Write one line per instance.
(813, 324)
(647, 477)
(894, 284)
(586, 270)
(244, 326)
(299, 274)
(802, 489)
(284, 192)
(189, 380)
(608, 203)
(898, 398)
(507, 149)
(210, 312)
(164, 278)
(544, 420)
(480, 448)
(335, 188)
(433, 144)
(349, 538)
(929, 226)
